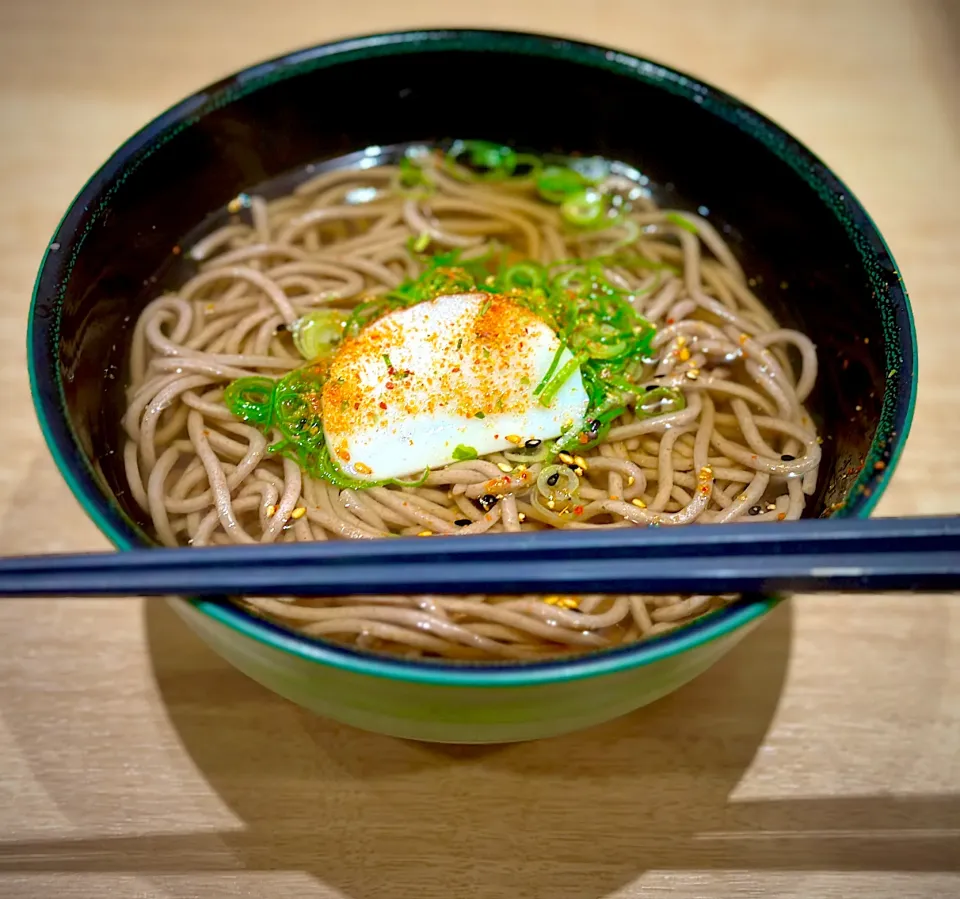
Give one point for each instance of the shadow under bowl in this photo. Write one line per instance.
(816, 259)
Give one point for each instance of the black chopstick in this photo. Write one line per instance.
(884, 554)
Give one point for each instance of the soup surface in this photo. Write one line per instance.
(471, 340)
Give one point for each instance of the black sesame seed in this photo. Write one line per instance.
(652, 386)
(532, 443)
(595, 426)
(552, 480)
(487, 501)
(755, 510)
(462, 522)
(786, 457)
(281, 328)
(657, 377)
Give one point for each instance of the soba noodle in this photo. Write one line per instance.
(741, 446)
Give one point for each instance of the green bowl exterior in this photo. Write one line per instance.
(457, 713)
(463, 704)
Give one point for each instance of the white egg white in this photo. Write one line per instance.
(445, 378)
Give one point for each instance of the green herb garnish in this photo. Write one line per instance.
(317, 334)
(463, 453)
(682, 221)
(481, 160)
(552, 388)
(555, 183)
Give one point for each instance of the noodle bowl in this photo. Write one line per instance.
(713, 426)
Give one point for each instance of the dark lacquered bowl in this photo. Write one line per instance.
(819, 262)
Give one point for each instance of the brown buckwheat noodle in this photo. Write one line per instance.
(205, 478)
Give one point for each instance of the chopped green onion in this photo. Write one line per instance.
(558, 483)
(584, 209)
(550, 370)
(523, 275)
(610, 414)
(555, 183)
(446, 280)
(561, 378)
(487, 161)
(598, 349)
(530, 163)
(251, 399)
(419, 482)
(682, 222)
(317, 334)
(412, 177)
(659, 401)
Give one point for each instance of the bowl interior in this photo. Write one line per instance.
(816, 259)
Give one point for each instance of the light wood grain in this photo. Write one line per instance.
(819, 760)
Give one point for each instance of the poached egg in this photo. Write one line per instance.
(445, 380)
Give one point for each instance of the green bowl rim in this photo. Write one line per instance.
(878, 261)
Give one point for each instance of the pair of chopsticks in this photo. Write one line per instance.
(919, 554)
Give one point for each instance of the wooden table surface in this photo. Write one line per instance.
(820, 759)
